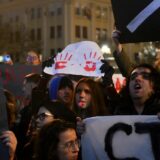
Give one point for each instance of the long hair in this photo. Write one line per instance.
(48, 139)
(97, 106)
(11, 107)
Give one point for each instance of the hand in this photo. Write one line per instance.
(80, 126)
(116, 36)
(48, 62)
(10, 140)
(108, 73)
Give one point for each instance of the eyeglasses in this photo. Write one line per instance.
(31, 58)
(145, 75)
(72, 144)
(42, 116)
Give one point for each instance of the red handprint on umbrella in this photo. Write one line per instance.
(62, 61)
(90, 62)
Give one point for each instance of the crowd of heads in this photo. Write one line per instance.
(51, 118)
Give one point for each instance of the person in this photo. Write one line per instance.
(5, 58)
(33, 58)
(57, 140)
(47, 112)
(141, 94)
(30, 81)
(25, 114)
(61, 88)
(8, 136)
(88, 99)
(88, 102)
(50, 110)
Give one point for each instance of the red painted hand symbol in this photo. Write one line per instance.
(90, 63)
(60, 62)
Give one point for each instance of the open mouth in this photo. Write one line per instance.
(137, 86)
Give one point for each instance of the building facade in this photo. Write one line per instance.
(53, 24)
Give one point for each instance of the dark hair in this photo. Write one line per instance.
(57, 83)
(11, 108)
(155, 79)
(65, 82)
(48, 139)
(59, 110)
(97, 106)
(155, 75)
(33, 77)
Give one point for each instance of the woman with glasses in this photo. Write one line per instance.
(33, 58)
(57, 141)
(47, 112)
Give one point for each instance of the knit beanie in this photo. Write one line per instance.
(57, 83)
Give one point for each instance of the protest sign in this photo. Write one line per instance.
(81, 58)
(137, 20)
(121, 137)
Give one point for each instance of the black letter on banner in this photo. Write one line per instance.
(154, 130)
(109, 136)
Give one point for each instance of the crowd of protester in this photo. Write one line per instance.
(50, 121)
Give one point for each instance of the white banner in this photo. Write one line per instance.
(81, 58)
(121, 138)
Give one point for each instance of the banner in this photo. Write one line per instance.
(121, 137)
(137, 20)
(81, 58)
(13, 75)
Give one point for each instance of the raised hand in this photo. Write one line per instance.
(10, 140)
